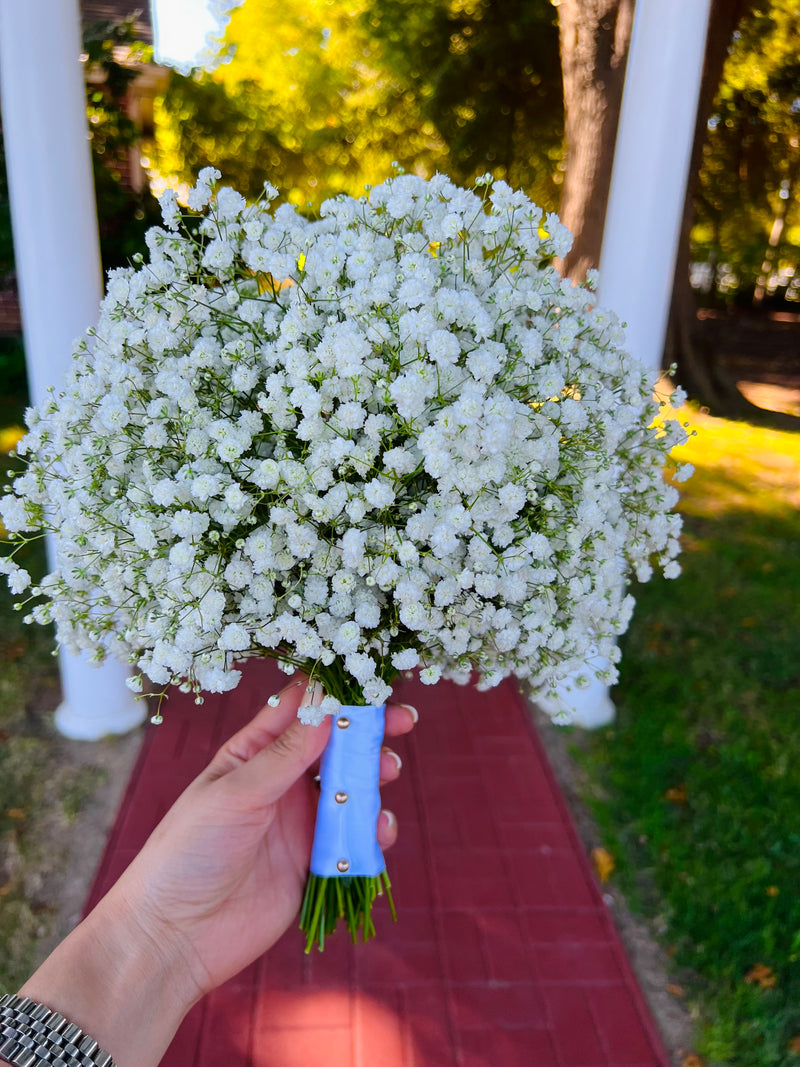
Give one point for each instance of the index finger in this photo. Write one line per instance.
(262, 730)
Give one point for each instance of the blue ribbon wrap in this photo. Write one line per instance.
(350, 765)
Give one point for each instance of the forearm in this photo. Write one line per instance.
(117, 983)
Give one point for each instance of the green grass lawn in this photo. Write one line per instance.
(697, 786)
(28, 770)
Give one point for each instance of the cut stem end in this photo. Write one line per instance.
(327, 900)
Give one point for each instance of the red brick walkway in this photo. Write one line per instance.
(504, 955)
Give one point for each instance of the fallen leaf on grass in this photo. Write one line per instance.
(693, 1060)
(16, 813)
(762, 976)
(794, 1045)
(13, 650)
(676, 990)
(678, 794)
(772, 890)
(603, 863)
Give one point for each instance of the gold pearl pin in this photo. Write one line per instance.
(343, 722)
(342, 866)
(340, 798)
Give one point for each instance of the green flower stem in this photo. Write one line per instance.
(327, 900)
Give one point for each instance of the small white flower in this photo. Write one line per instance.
(406, 659)
(376, 692)
(113, 413)
(346, 638)
(350, 415)
(218, 255)
(234, 638)
(182, 556)
(18, 580)
(205, 486)
(230, 204)
(311, 714)
(430, 675)
(378, 493)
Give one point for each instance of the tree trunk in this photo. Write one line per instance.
(595, 36)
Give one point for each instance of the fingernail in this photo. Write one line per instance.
(414, 712)
(390, 818)
(395, 757)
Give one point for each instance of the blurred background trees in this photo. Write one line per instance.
(322, 97)
(747, 190)
(126, 208)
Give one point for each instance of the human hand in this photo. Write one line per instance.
(223, 875)
(216, 884)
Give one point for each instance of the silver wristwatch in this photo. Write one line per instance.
(32, 1035)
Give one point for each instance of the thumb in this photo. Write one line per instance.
(278, 766)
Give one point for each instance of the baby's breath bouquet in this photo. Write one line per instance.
(390, 437)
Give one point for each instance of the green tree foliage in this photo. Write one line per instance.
(113, 54)
(322, 96)
(487, 74)
(748, 200)
(302, 101)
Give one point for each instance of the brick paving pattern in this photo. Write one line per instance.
(504, 955)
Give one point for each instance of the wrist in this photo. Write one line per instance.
(118, 982)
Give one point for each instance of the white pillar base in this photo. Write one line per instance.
(96, 700)
(121, 719)
(588, 706)
(584, 707)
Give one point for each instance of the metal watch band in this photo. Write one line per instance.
(32, 1035)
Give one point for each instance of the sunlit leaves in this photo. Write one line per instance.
(751, 160)
(303, 102)
(322, 97)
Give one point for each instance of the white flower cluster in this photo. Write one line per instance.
(386, 438)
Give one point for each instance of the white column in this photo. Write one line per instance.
(643, 218)
(651, 168)
(589, 706)
(58, 260)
